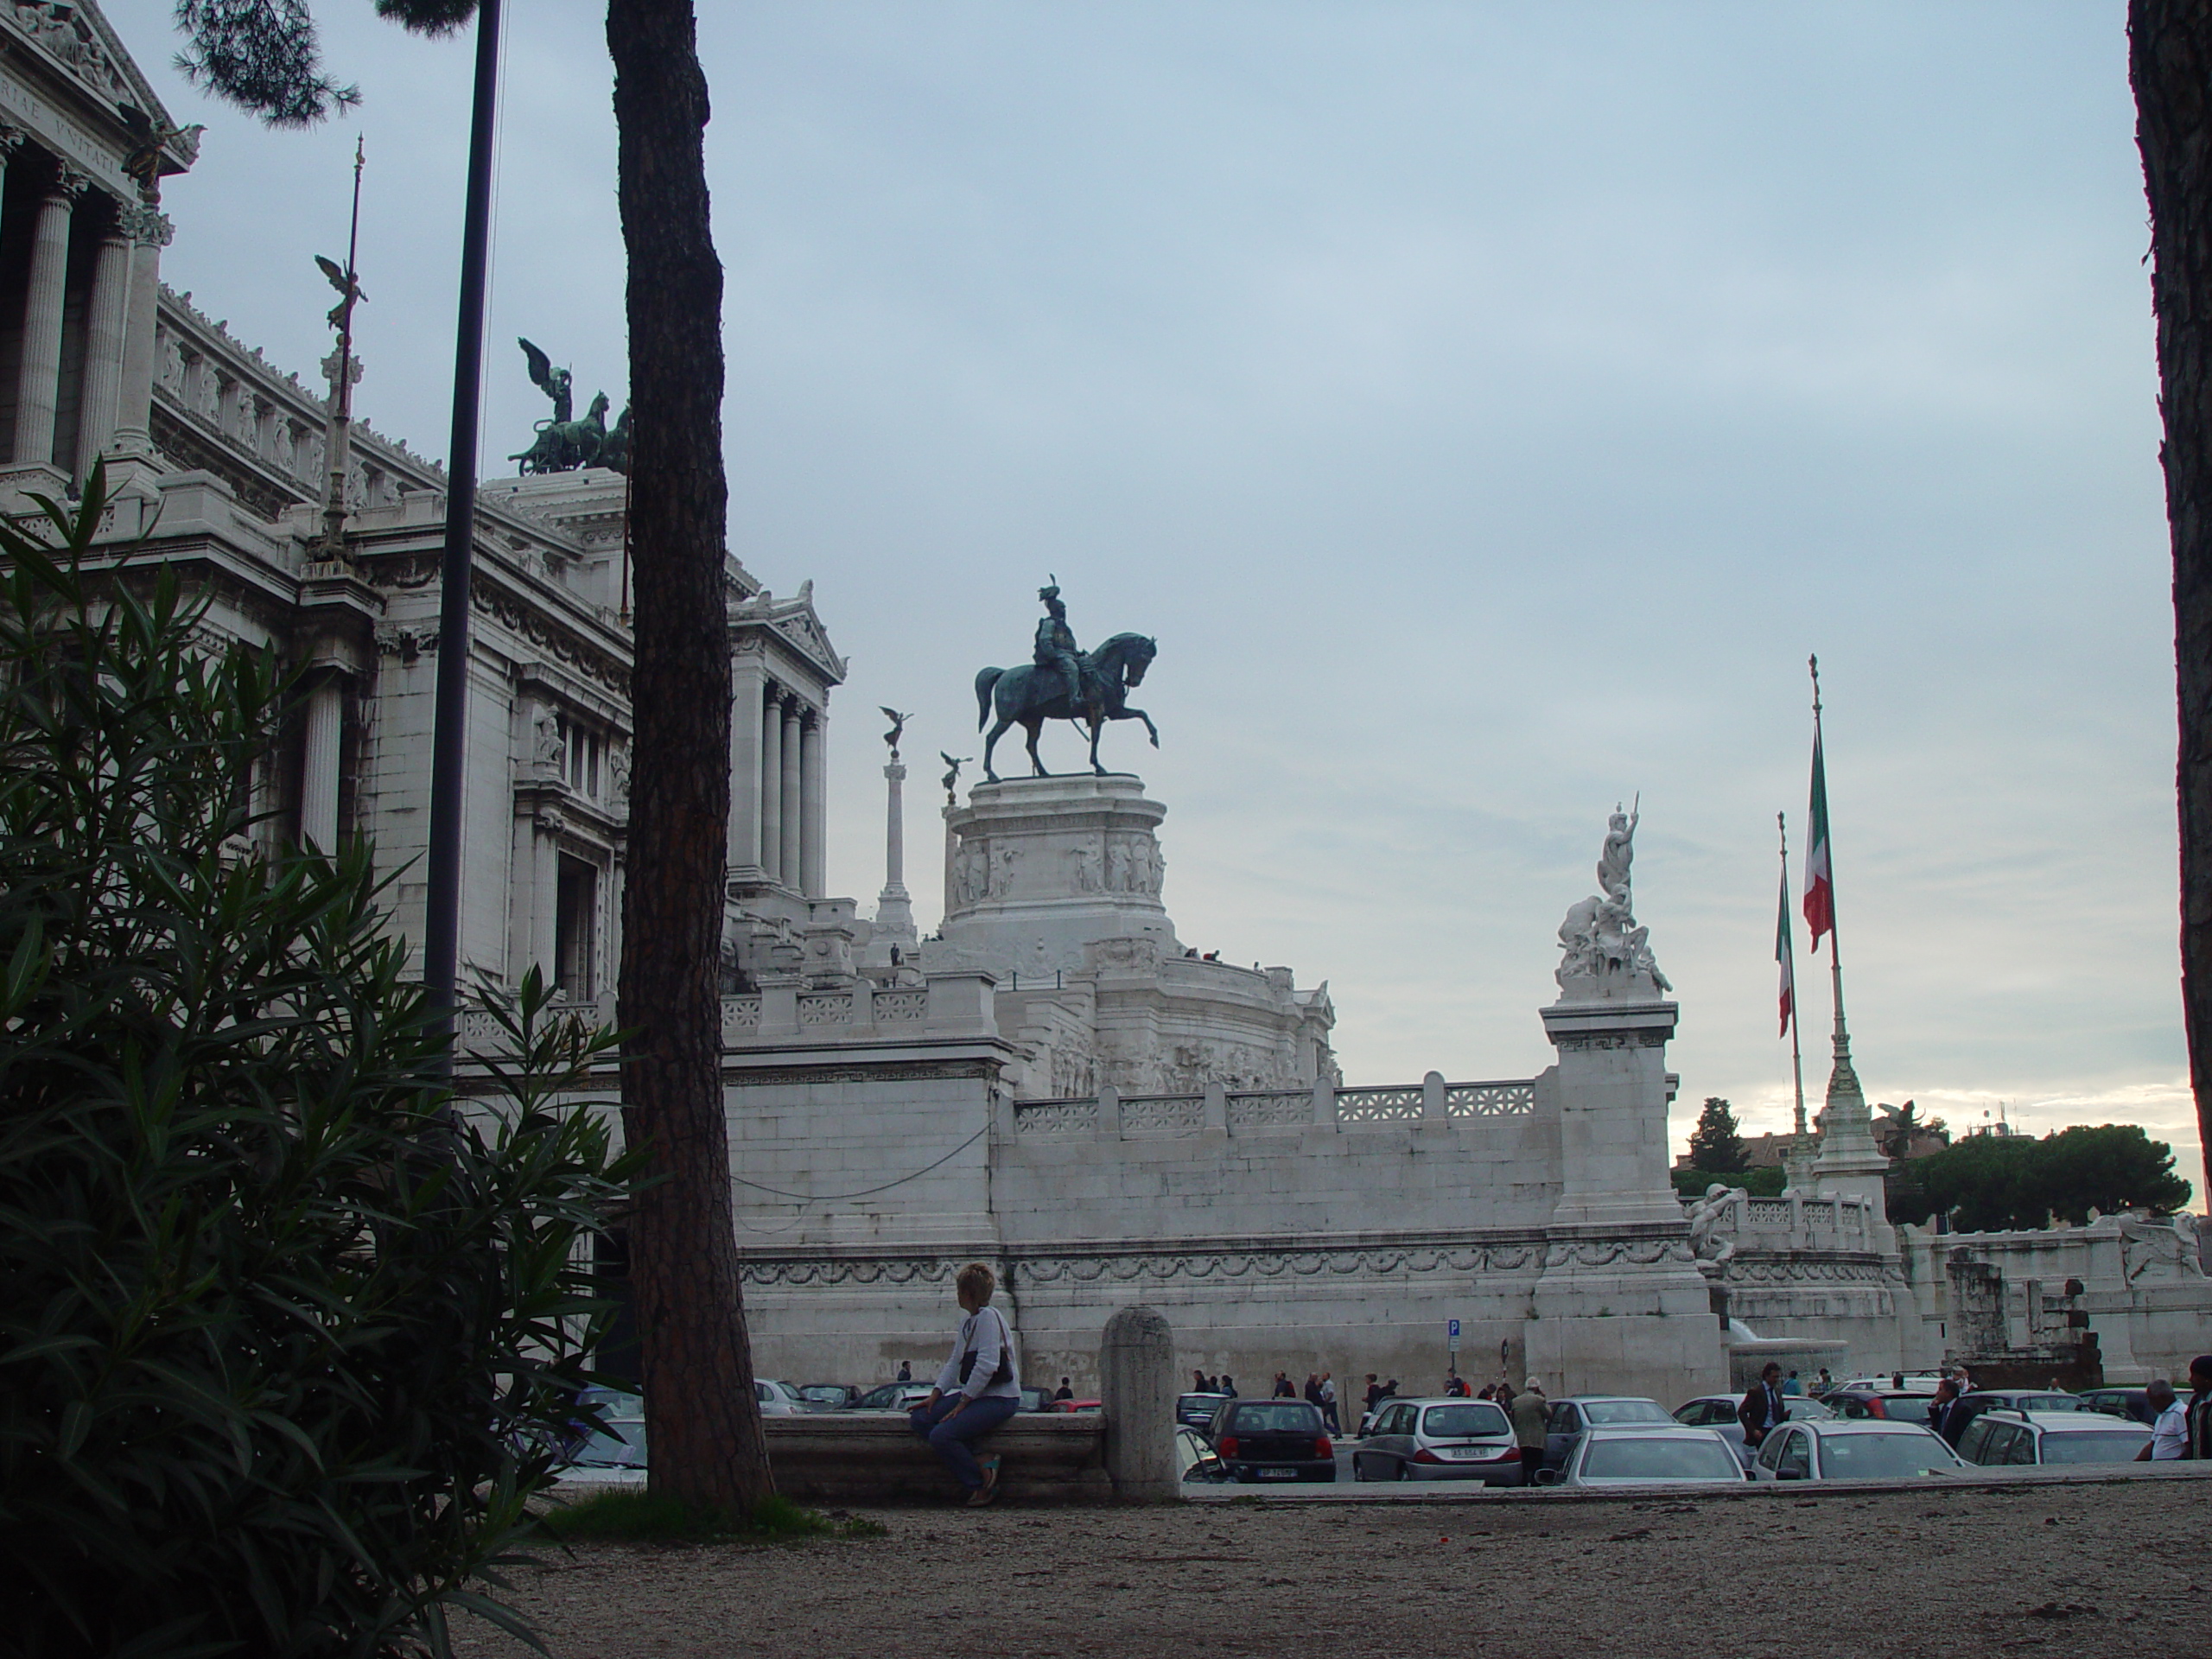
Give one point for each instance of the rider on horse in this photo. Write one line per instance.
(1056, 648)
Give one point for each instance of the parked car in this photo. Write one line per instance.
(1196, 1410)
(827, 1396)
(1273, 1439)
(1647, 1454)
(2003, 1436)
(891, 1396)
(1881, 1404)
(1440, 1439)
(613, 1453)
(1718, 1413)
(1577, 1414)
(778, 1399)
(1843, 1448)
(1972, 1404)
(2134, 1404)
(1076, 1404)
(1894, 1382)
(1036, 1400)
(1196, 1458)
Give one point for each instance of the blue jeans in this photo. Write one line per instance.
(949, 1435)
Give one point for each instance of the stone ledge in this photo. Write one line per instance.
(875, 1458)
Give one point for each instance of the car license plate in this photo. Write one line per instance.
(1278, 1474)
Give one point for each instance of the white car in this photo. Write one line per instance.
(1854, 1448)
(1637, 1455)
(778, 1399)
(614, 1455)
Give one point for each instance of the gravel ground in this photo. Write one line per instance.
(2061, 1569)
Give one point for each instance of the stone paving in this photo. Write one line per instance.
(2112, 1568)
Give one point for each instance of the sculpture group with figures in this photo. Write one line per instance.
(565, 444)
(1063, 682)
(1601, 941)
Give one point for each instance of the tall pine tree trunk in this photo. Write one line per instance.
(2170, 63)
(701, 1416)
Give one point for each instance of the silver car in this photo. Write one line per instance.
(778, 1399)
(1638, 1455)
(2052, 1437)
(1439, 1439)
(1854, 1448)
(1718, 1413)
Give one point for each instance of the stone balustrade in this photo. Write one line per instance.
(1112, 1115)
(1794, 1223)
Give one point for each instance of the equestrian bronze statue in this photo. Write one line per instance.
(1061, 683)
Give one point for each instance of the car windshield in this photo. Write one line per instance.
(1805, 1411)
(2099, 1447)
(825, 1391)
(1275, 1417)
(1444, 1422)
(2048, 1403)
(1631, 1457)
(1624, 1411)
(1200, 1402)
(1873, 1456)
(621, 1445)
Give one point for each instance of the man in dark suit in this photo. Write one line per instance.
(1762, 1409)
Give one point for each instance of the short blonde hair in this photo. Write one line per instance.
(977, 1283)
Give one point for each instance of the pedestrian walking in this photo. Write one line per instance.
(1329, 1404)
(1791, 1386)
(1762, 1409)
(1374, 1391)
(1531, 1412)
(2169, 1424)
(1939, 1408)
(1283, 1389)
(906, 1371)
(1229, 1385)
(2200, 1407)
(1197, 1378)
(1066, 1391)
(978, 1389)
(1827, 1383)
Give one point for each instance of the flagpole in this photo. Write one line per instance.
(1796, 1055)
(1835, 950)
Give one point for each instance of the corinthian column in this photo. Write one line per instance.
(744, 763)
(96, 409)
(788, 860)
(811, 815)
(770, 717)
(38, 386)
(149, 233)
(319, 765)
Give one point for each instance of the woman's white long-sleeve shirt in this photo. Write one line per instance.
(987, 1332)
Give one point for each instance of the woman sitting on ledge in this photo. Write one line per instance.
(979, 1387)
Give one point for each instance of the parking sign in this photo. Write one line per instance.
(1452, 1327)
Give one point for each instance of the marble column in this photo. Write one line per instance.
(149, 233)
(319, 765)
(38, 386)
(771, 786)
(812, 840)
(545, 901)
(96, 411)
(788, 861)
(744, 763)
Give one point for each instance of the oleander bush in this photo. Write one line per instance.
(286, 1335)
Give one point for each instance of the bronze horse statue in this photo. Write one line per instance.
(1025, 699)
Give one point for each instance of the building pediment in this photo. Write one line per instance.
(795, 622)
(75, 42)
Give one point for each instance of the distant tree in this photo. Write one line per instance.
(2170, 67)
(1717, 1144)
(1993, 1183)
(2112, 1167)
(1760, 1183)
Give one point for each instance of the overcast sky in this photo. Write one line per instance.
(1488, 408)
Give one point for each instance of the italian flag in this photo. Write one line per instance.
(1820, 886)
(1782, 954)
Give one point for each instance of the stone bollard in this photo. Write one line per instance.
(1137, 1385)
